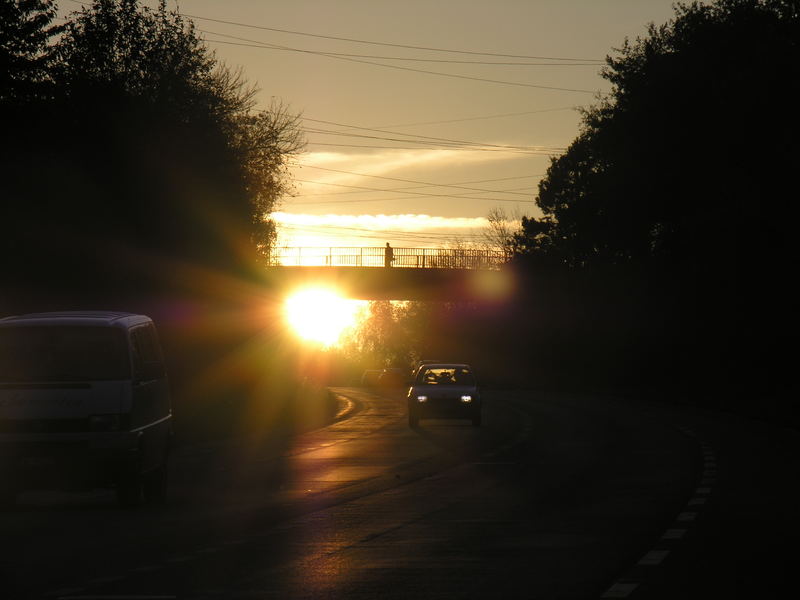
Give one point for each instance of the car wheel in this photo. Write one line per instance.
(477, 420)
(413, 420)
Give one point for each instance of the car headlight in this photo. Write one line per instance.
(422, 398)
(466, 398)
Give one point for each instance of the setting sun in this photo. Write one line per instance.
(320, 315)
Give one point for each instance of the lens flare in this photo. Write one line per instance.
(320, 315)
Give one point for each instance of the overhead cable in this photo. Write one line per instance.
(398, 67)
(374, 43)
(262, 44)
(418, 187)
(424, 137)
(360, 187)
(423, 183)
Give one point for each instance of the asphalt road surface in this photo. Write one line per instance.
(555, 496)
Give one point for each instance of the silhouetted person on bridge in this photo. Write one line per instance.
(388, 256)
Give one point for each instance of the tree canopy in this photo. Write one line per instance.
(690, 160)
(128, 144)
(667, 241)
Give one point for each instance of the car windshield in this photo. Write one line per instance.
(446, 376)
(62, 353)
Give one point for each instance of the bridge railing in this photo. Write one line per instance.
(419, 258)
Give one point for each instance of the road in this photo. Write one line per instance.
(555, 496)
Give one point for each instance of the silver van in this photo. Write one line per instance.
(84, 402)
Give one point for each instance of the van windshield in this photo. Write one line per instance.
(63, 353)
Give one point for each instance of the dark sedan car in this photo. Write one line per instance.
(444, 390)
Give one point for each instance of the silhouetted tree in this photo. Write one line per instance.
(25, 53)
(150, 153)
(378, 339)
(680, 190)
(691, 158)
(499, 235)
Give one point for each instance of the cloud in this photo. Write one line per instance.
(403, 230)
(381, 164)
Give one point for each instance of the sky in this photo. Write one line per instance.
(416, 123)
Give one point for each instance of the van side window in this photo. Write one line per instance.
(147, 362)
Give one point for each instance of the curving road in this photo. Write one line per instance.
(554, 497)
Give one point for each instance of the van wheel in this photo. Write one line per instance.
(130, 490)
(413, 420)
(155, 485)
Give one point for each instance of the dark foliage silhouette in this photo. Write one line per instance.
(130, 150)
(680, 191)
(698, 136)
(26, 54)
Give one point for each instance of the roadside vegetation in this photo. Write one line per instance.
(667, 241)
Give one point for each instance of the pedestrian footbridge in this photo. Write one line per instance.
(414, 273)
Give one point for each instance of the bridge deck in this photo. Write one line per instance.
(369, 283)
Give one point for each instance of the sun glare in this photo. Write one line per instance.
(320, 315)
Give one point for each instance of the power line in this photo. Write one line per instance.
(400, 198)
(406, 192)
(361, 146)
(413, 70)
(398, 67)
(361, 187)
(479, 118)
(426, 137)
(475, 146)
(404, 198)
(426, 148)
(270, 46)
(417, 187)
(423, 183)
(407, 46)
